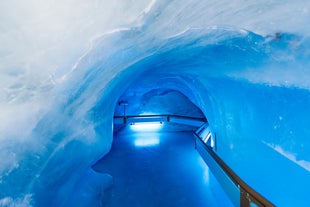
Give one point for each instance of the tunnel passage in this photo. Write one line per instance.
(251, 93)
(164, 172)
(143, 101)
(216, 77)
(154, 163)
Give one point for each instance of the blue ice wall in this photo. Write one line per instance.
(252, 86)
(260, 126)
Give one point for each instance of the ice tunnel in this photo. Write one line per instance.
(67, 66)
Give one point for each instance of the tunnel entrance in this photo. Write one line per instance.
(153, 159)
(142, 106)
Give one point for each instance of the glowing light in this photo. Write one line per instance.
(206, 135)
(146, 141)
(146, 126)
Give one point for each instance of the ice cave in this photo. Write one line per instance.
(154, 103)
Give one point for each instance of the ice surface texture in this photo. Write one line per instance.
(64, 65)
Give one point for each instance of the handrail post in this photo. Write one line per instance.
(168, 118)
(244, 198)
(247, 195)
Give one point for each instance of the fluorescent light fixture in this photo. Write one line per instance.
(146, 126)
(146, 141)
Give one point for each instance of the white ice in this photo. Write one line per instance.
(64, 64)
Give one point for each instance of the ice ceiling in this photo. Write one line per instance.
(64, 64)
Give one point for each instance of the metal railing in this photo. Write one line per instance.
(240, 193)
(187, 120)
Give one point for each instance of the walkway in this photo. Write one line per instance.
(159, 169)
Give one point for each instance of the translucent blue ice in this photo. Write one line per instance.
(65, 65)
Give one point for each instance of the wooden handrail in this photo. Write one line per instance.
(247, 194)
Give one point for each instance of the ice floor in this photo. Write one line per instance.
(159, 169)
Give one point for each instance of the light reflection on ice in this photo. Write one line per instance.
(44, 42)
(146, 141)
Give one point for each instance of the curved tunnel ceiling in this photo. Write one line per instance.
(156, 101)
(253, 87)
(211, 69)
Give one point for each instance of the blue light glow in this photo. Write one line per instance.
(249, 77)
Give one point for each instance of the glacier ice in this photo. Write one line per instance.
(64, 66)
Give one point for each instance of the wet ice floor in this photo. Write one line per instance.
(159, 169)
